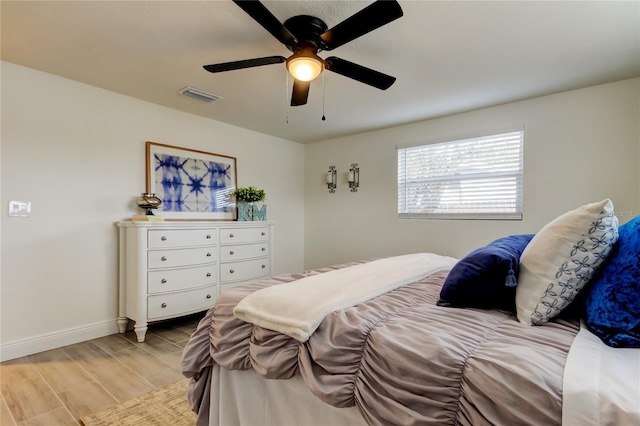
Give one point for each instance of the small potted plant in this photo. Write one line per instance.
(245, 199)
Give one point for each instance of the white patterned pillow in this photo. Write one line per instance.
(561, 259)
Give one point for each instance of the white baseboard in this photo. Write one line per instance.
(57, 339)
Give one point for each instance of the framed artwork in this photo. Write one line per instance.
(193, 185)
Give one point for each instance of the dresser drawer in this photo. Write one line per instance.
(248, 269)
(173, 304)
(181, 257)
(167, 238)
(240, 252)
(163, 280)
(243, 235)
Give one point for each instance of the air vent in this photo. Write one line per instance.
(199, 95)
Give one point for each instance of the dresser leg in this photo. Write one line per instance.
(140, 329)
(122, 324)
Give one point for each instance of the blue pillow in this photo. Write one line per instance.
(613, 302)
(486, 277)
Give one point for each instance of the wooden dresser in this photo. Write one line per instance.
(170, 269)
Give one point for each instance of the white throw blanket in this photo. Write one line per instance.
(601, 384)
(297, 308)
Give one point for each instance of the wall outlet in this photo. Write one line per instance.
(20, 208)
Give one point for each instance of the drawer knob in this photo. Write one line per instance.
(263, 233)
(264, 249)
(163, 238)
(230, 235)
(208, 274)
(208, 296)
(208, 236)
(264, 266)
(163, 258)
(231, 271)
(231, 252)
(164, 305)
(208, 254)
(163, 281)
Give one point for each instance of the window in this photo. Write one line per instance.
(478, 178)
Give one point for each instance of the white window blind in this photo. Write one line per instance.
(478, 178)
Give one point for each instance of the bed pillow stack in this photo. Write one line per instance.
(613, 303)
(562, 258)
(486, 277)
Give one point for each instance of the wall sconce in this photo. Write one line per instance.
(354, 177)
(331, 179)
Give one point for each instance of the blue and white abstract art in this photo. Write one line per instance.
(192, 183)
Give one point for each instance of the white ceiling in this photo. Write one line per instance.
(448, 56)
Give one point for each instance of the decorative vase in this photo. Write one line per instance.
(245, 211)
(259, 211)
(148, 201)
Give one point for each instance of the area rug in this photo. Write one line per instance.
(160, 407)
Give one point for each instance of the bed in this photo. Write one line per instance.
(418, 350)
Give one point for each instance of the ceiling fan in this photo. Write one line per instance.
(306, 35)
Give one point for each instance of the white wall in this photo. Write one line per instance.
(580, 146)
(77, 153)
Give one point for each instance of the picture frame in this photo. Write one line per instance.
(192, 184)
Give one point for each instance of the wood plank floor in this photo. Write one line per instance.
(59, 386)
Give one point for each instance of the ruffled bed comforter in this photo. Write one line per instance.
(399, 357)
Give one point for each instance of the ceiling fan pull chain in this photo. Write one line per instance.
(323, 117)
(286, 98)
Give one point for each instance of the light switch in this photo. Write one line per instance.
(20, 208)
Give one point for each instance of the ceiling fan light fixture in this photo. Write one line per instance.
(306, 35)
(305, 66)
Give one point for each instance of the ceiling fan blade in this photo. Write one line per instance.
(300, 92)
(247, 63)
(368, 19)
(262, 16)
(359, 73)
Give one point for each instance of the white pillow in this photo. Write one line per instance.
(561, 259)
